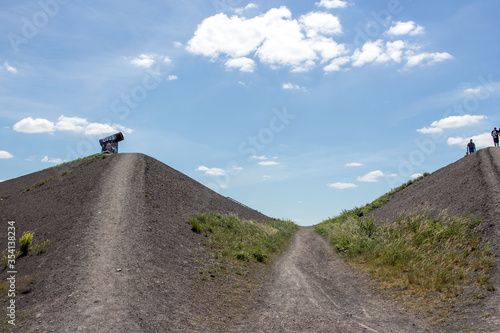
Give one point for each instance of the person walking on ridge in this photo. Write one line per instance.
(471, 147)
(494, 134)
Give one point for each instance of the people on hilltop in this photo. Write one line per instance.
(471, 147)
(494, 134)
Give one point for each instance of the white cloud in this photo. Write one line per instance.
(276, 39)
(291, 86)
(371, 176)
(427, 58)
(144, 60)
(172, 77)
(261, 157)
(405, 28)
(451, 122)
(416, 175)
(370, 52)
(247, 7)
(10, 68)
(342, 186)
(273, 37)
(395, 50)
(5, 155)
(353, 164)
(267, 163)
(331, 4)
(481, 140)
(211, 171)
(319, 23)
(71, 124)
(335, 64)
(38, 125)
(46, 159)
(244, 64)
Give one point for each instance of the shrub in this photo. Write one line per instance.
(25, 242)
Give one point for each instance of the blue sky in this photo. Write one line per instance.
(299, 109)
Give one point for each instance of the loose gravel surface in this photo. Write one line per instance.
(312, 290)
(122, 258)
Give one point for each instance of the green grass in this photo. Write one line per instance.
(233, 238)
(416, 253)
(25, 242)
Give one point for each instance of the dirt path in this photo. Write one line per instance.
(490, 167)
(312, 290)
(104, 297)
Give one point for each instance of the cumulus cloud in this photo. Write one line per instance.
(5, 154)
(71, 124)
(371, 176)
(291, 86)
(331, 4)
(405, 28)
(148, 60)
(38, 125)
(336, 64)
(342, 186)
(46, 159)
(278, 40)
(172, 77)
(259, 157)
(353, 164)
(246, 8)
(481, 140)
(268, 163)
(370, 52)
(427, 58)
(319, 23)
(451, 122)
(244, 64)
(273, 37)
(211, 171)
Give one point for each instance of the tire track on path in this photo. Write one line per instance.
(313, 290)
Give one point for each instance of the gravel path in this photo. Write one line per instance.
(313, 290)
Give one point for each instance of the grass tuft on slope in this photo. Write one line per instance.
(245, 240)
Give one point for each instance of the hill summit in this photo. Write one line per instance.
(121, 257)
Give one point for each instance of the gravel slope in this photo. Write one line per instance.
(468, 186)
(122, 258)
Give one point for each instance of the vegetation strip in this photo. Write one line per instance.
(420, 254)
(244, 240)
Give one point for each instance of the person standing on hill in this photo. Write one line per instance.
(471, 147)
(494, 134)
